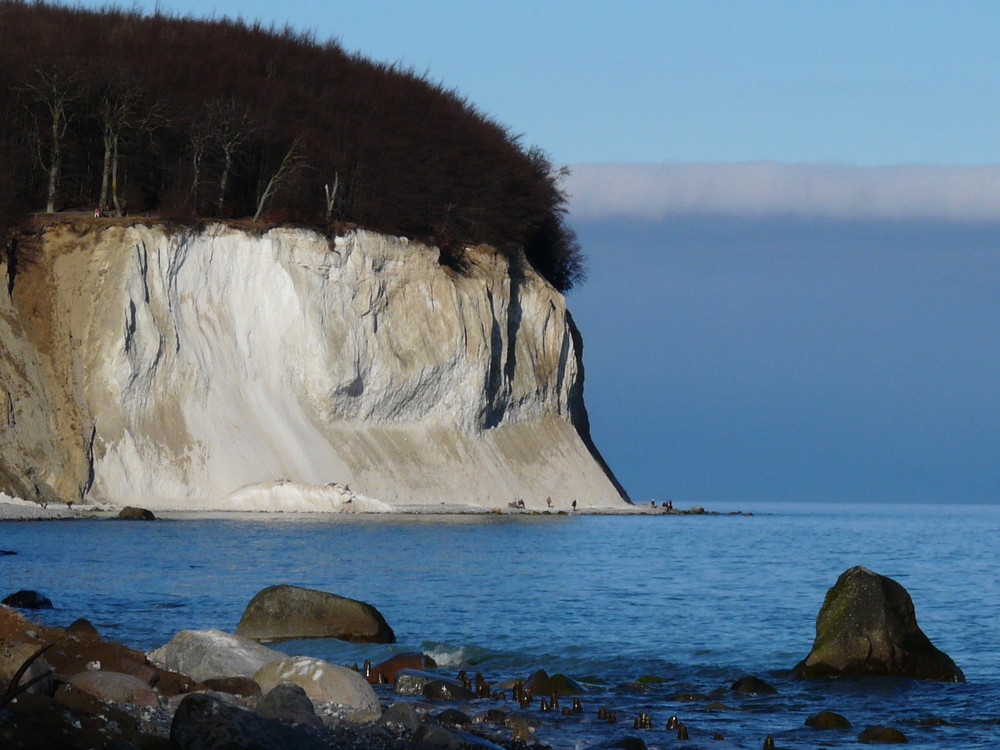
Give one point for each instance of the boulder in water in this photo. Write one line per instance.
(878, 733)
(28, 599)
(283, 612)
(828, 720)
(867, 626)
(750, 685)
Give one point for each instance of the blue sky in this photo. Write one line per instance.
(853, 81)
(792, 217)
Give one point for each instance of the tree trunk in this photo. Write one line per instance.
(54, 167)
(106, 171)
(228, 154)
(114, 177)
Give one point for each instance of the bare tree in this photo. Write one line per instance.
(55, 89)
(123, 111)
(291, 163)
(331, 195)
(233, 125)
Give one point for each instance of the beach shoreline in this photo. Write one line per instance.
(21, 510)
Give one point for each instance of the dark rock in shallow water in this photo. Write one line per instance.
(27, 599)
(283, 612)
(828, 720)
(453, 717)
(412, 681)
(205, 723)
(540, 683)
(867, 626)
(622, 743)
(886, 735)
(750, 685)
(447, 690)
(431, 734)
(402, 715)
(131, 513)
(385, 673)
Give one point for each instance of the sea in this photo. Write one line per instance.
(656, 614)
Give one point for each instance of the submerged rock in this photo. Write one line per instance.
(28, 599)
(205, 654)
(541, 683)
(867, 626)
(828, 720)
(750, 685)
(877, 733)
(283, 612)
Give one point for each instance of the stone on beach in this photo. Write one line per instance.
(288, 703)
(204, 654)
(116, 687)
(131, 513)
(12, 656)
(283, 612)
(202, 722)
(867, 626)
(322, 681)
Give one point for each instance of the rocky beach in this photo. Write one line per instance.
(300, 667)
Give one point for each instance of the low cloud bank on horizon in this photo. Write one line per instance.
(761, 189)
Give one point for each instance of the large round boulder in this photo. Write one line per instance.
(867, 626)
(205, 654)
(322, 681)
(283, 612)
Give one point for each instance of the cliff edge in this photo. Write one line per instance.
(216, 369)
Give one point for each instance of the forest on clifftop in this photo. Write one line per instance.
(191, 119)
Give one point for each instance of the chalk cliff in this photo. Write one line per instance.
(217, 369)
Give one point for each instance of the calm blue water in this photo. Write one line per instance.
(698, 601)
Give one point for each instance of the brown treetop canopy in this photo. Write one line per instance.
(223, 119)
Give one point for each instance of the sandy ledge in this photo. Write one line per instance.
(13, 509)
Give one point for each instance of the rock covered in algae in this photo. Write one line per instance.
(867, 626)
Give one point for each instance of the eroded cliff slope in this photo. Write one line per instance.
(216, 369)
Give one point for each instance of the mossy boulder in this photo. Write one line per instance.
(867, 626)
(282, 612)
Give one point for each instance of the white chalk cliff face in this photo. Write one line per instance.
(217, 369)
